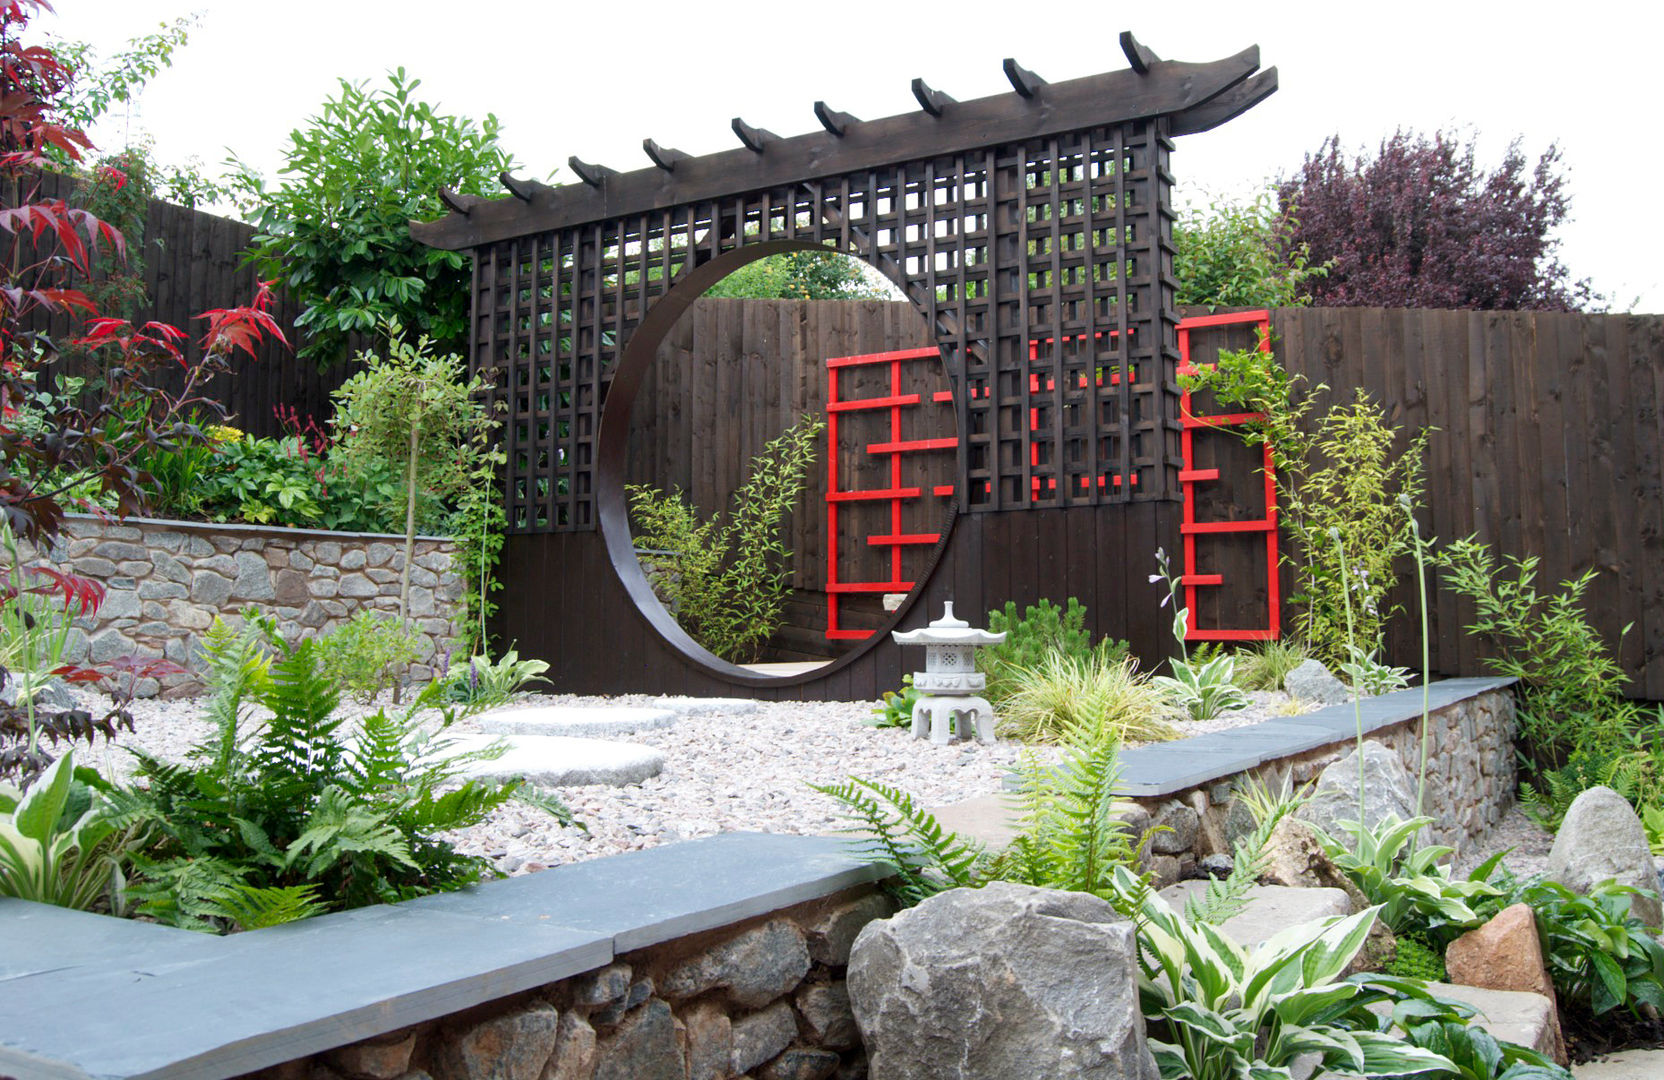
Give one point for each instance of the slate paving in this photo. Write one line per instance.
(560, 760)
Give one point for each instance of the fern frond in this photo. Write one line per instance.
(1227, 897)
(249, 907)
(340, 828)
(299, 742)
(892, 829)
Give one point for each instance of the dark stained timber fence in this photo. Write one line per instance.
(1546, 441)
(193, 261)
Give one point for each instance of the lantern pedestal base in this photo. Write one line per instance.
(942, 719)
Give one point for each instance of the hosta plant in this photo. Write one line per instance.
(1219, 1011)
(1411, 882)
(57, 843)
(481, 682)
(1370, 676)
(1204, 689)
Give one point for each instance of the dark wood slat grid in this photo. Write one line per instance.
(999, 250)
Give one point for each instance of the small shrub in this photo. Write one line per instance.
(368, 653)
(730, 575)
(896, 710)
(1099, 696)
(1201, 685)
(1043, 630)
(1266, 665)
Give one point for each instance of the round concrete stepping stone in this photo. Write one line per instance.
(707, 706)
(559, 761)
(577, 720)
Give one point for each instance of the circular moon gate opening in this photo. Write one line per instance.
(853, 381)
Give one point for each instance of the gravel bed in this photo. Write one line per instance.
(723, 772)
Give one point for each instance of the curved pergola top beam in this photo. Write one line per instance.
(1152, 88)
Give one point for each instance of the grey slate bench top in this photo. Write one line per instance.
(89, 997)
(1165, 768)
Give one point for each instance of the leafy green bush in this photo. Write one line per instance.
(1342, 470)
(1096, 694)
(335, 233)
(277, 820)
(731, 573)
(1241, 255)
(1409, 882)
(416, 414)
(1043, 630)
(367, 653)
(1267, 664)
(1571, 685)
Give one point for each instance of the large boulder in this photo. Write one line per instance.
(1311, 682)
(1388, 790)
(997, 982)
(1602, 839)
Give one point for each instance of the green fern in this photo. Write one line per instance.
(1227, 897)
(248, 907)
(1071, 837)
(892, 829)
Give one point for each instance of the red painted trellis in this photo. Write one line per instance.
(895, 493)
(1190, 476)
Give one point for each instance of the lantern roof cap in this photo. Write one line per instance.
(948, 630)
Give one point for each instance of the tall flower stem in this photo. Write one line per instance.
(1426, 647)
(1351, 647)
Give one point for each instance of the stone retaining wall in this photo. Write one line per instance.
(166, 580)
(1470, 781)
(763, 998)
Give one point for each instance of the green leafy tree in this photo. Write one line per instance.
(800, 275)
(1242, 255)
(417, 409)
(334, 232)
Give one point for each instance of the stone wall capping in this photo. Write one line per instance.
(1166, 768)
(271, 996)
(135, 525)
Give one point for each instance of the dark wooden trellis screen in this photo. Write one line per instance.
(1033, 230)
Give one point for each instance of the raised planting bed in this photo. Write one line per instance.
(600, 960)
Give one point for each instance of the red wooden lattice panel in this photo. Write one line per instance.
(897, 447)
(1190, 476)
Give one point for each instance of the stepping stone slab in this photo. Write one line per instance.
(708, 706)
(560, 761)
(1270, 909)
(576, 720)
(1623, 1065)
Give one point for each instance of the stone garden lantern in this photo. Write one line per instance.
(949, 681)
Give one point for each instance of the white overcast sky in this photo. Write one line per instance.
(593, 79)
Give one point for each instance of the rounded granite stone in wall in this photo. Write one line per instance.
(165, 581)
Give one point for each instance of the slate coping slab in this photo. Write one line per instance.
(562, 761)
(88, 996)
(1170, 767)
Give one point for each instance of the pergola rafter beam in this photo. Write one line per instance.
(1165, 88)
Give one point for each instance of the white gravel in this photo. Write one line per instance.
(723, 773)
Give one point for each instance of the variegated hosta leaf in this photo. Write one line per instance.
(1389, 1056)
(1212, 1026)
(1301, 1005)
(1337, 1046)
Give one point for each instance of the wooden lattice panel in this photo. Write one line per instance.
(1034, 232)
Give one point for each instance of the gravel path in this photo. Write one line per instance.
(723, 773)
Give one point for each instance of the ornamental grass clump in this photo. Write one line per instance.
(1100, 695)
